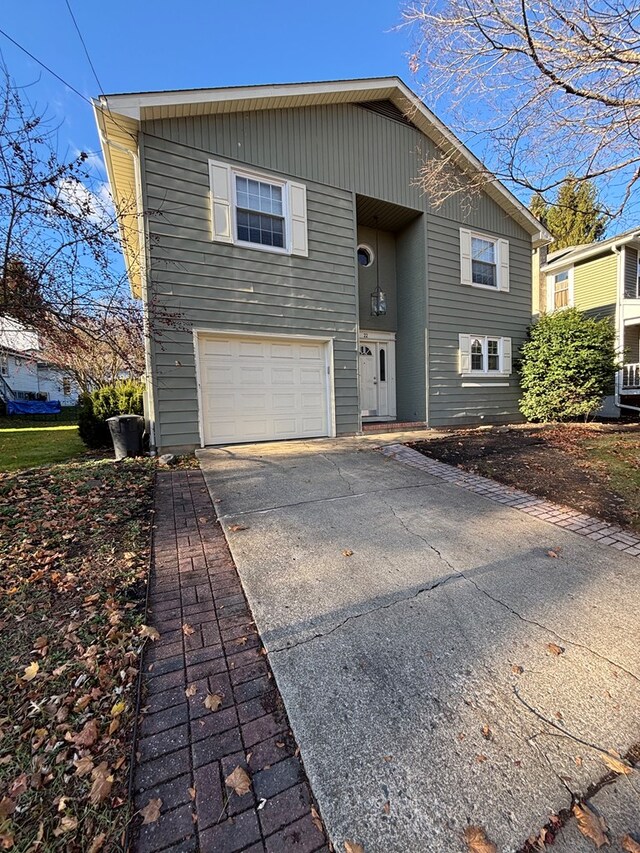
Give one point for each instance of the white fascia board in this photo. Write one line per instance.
(131, 106)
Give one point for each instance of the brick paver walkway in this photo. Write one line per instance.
(209, 644)
(562, 516)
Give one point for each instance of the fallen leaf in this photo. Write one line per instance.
(353, 847)
(151, 812)
(315, 818)
(578, 760)
(191, 690)
(31, 671)
(629, 844)
(386, 808)
(554, 648)
(7, 807)
(476, 840)
(234, 528)
(118, 708)
(241, 641)
(552, 554)
(487, 734)
(6, 840)
(192, 793)
(238, 781)
(347, 552)
(213, 701)
(83, 765)
(67, 824)
(148, 631)
(615, 764)
(102, 782)
(590, 825)
(88, 735)
(480, 758)
(516, 669)
(97, 843)
(187, 630)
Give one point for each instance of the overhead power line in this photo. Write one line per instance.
(86, 49)
(46, 67)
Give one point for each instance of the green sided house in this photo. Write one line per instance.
(296, 281)
(602, 280)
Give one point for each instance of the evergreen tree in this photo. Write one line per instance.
(574, 218)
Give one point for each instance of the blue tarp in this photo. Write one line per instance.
(33, 407)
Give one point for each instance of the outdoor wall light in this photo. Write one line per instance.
(378, 297)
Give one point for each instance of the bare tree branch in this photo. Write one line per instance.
(547, 88)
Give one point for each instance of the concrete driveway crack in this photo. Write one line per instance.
(504, 604)
(347, 483)
(399, 600)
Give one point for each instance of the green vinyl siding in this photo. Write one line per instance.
(338, 151)
(196, 283)
(455, 309)
(595, 285)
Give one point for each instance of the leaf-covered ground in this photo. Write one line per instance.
(74, 550)
(591, 467)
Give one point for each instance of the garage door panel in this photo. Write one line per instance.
(283, 376)
(258, 389)
(283, 351)
(311, 351)
(248, 349)
(215, 346)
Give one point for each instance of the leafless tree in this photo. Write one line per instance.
(541, 89)
(60, 268)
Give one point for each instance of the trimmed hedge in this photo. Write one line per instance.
(567, 366)
(122, 398)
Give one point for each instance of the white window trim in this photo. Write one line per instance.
(225, 206)
(501, 248)
(551, 293)
(474, 374)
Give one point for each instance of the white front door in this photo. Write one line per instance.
(377, 377)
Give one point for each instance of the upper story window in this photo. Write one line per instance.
(4, 365)
(257, 210)
(560, 290)
(484, 354)
(484, 261)
(66, 386)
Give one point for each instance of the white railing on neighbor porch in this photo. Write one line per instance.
(631, 376)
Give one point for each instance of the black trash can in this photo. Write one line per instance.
(126, 434)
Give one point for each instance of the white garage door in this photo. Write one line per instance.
(260, 389)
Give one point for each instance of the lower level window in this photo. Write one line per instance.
(486, 355)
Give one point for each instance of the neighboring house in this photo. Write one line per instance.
(312, 286)
(25, 373)
(602, 280)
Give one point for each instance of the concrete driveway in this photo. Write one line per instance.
(407, 623)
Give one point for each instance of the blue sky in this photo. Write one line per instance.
(171, 45)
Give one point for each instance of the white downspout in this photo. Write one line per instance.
(619, 342)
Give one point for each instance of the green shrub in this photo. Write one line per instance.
(567, 366)
(122, 398)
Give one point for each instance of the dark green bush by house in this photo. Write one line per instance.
(567, 366)
(123, 398)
